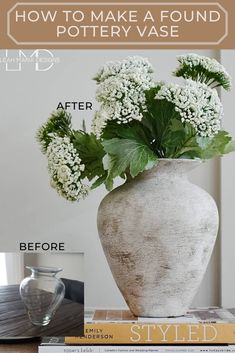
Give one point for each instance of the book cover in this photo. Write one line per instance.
(201, 325)
(138, 349)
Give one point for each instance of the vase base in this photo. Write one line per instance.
(161, 316)
(40, 322)
(159, 313)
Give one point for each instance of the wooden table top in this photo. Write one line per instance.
(19, 348)
(14, 321)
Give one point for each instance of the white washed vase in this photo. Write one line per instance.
(158, 232)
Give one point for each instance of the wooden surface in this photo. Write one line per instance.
(14, 321)
(19, 348)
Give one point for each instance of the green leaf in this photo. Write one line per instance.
(91, 153)
(230, 147)
(207, 147)
(126, 154)
(181, 140)
(158, 119)
(99, 181)
(203, 142)
(215, 146)
(176, 125)
(108, 163)
(134, 130)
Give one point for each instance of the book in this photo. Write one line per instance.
(211, 325)
(137, 349)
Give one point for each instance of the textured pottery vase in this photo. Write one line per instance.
(42, 294)
(158, 232)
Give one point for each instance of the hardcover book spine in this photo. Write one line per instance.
(137, 333)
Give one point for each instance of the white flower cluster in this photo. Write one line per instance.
(209, 64)
(121, 92)
(64, 166)
(128, 65)
(197, 104)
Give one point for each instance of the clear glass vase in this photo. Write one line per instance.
(42, 293)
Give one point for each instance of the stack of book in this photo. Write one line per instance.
(113, 331)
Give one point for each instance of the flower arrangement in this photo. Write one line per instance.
(139, 121)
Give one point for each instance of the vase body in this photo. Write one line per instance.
(158, 232)
(42, 293)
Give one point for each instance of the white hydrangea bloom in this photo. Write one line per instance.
(65, 167)
(209, 64)
(197, 104)
(121, 92)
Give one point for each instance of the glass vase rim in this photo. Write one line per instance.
(44, 269)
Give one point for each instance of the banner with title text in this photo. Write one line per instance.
(109, 24)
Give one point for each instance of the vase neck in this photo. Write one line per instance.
(37, 272)
(170, 169)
